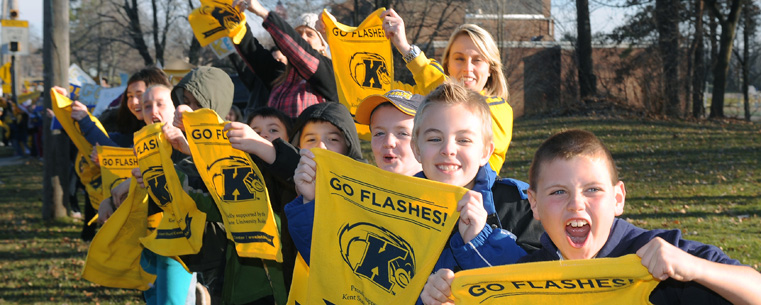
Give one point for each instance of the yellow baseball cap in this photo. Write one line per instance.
(406, 102)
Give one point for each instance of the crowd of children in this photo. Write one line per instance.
(453, 127)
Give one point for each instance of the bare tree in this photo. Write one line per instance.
(667, 23)
(698, 59)
(56, 146)
(728, 24)
(587, 80)
(750, 13)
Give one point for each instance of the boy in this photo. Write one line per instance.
(270, 123)
(390, 119)
(576, 194)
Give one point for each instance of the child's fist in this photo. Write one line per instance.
(438, 289)
(472, 215)
(304, 175)
(664, 260)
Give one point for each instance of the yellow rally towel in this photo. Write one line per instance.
(236, 184)
(621, 280)
(88, 171)
(362, 61)
(116, 164)
(298, 293)
(180, 231)
(377, 234)
(217, 19)
(113, 259)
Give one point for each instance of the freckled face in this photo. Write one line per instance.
(577, 203)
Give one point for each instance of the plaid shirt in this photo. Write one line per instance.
(295, 94)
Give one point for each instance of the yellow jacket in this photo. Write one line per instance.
(429, 74)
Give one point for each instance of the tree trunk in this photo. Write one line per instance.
(747, 30)
(698, 72)
(135, 31)
(55, 146)
(728, 27)
(587, 81)
(157, 45)
(667, 20)
(194, 53)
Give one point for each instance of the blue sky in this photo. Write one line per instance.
(603, 18)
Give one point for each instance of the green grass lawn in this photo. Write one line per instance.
(702, 178)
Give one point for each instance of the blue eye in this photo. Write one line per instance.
(558, 192)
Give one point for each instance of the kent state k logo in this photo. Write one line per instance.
(156, 181)
(378, 255)
(369, 70)
(238, 178)
(224, 14)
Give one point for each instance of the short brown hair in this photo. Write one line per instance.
(566, 145)
(452, 93)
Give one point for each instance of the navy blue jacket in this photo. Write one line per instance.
(626, 238)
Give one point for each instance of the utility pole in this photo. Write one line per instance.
(56, 144)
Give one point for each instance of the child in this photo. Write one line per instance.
(270, 123)
(576, 194)
(390, 119)
(327, 125)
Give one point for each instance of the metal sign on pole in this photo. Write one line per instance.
(15, 37)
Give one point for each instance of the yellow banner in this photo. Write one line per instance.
(116, 164)
(621, 280)
(113, 259)
(377, 234)
(217, 19)
(88, 171)
(362, 60)
(298, 293)
(236, 184)
(180, 230)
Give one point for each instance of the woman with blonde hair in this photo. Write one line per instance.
(472, 58)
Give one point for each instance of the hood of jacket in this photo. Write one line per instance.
(336, 114)
(211, 86)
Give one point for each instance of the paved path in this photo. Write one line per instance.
(5, 161)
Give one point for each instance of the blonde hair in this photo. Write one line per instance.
(496, 85)
(451, 94)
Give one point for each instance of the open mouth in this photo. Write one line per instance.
(577, 231)
(389, 158)
(156, 120)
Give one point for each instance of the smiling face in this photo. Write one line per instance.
(135, 98)
(270, 128)
(467, 64)
(157, 105)
(323, 135)
(450, 144)
(576, 202)
(391, 134)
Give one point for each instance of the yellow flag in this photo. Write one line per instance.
(180, 230)
(621, 280)
(86, 169)
(113, 259)
(116, 164)
(236, 184)
(362, 61)
(377, 234)
(298, 293)
(5, 73)
(217, 19)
